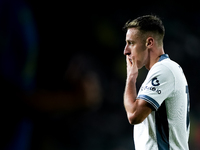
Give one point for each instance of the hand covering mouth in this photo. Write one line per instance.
(131, 60)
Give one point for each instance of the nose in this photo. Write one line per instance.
(126, 50)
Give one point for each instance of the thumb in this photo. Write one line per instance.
(128, 62)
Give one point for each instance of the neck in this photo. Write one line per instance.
(154, 56)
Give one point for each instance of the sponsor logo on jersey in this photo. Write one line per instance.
(152, 88)
(155, 82)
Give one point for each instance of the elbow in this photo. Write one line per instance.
(133, 119)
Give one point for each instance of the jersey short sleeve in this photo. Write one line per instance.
(157, 86)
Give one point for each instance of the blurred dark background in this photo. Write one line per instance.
(63, 72)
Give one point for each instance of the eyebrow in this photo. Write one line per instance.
(130, 41)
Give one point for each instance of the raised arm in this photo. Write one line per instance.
(137, 109)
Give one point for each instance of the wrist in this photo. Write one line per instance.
(131, 78)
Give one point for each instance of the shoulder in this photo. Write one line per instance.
(163, 68)
(162, 72)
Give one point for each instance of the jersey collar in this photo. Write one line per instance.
(164, 56)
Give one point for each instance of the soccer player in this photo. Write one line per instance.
(160, 110)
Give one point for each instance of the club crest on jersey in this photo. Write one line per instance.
(155, 82)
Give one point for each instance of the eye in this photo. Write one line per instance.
(130, 42)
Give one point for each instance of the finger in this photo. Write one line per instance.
(128, 61)
(134, 62)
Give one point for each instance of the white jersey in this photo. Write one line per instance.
(166, 89)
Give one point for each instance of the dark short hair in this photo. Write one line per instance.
(147, 23)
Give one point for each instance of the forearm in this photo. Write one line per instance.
(130, 95)
(136, 110)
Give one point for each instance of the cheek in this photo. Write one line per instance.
(142, 58)
(134, 51)
(138, 52)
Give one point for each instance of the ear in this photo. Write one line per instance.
(149, 42)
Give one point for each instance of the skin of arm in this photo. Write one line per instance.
(137, 109)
